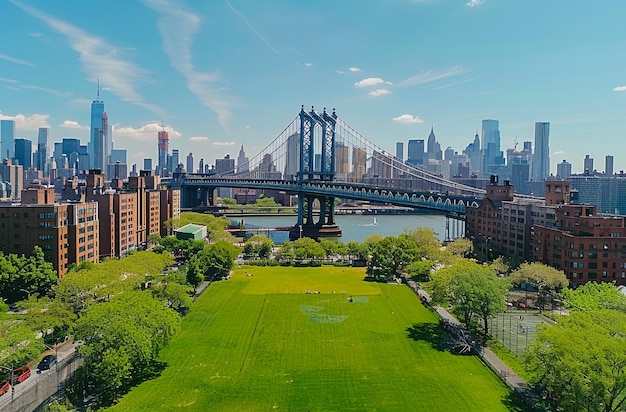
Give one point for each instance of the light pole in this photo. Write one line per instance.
(12, 383)
(25, 291)
(56, 363)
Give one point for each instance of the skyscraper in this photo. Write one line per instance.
(433, 148)
(163, 145)
(588, 165)
(7, 138)
(415, 149)
(190, 163)
(541, 157)
(175, 160)
(400, 150)
(41, 160)
(564, 170)
(24, 152)
(608, 165)
(242, 161)
(475, 154)
(98, 135)
(292, 161)
(492, 155)
(147, 164)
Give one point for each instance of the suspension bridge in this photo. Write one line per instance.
(318, 157)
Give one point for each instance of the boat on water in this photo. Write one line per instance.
(374, 223)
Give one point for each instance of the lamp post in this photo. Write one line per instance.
(56, 363)
(12, 383)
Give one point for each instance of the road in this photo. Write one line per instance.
(39, 383)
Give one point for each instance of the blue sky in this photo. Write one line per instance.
(223, 73)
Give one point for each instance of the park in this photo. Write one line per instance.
(259, 341)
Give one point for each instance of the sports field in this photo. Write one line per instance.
(516, 329)
(260, 342)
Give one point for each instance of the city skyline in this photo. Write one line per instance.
(392, 70)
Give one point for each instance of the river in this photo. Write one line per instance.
(355, 227)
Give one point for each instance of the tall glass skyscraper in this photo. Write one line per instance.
(415, 152)
(541, 157)
(492, 155)
(24, 152)
(98, 147)
(7, 138)
(41, 160)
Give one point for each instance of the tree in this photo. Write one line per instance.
(50, 317)
(580, 363)
(539, 274)
(594, 296)
(420, 270)
(358, 250)
(258, 246)
(472, 289)
(122, 338)
(22, 276)
(461, 246)
(426, 239)
(216, 260)
(308, 249)
(391, 255)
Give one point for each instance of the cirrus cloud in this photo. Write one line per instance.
(407, 119)
(355, 69)
(474, 3)
(224, 143)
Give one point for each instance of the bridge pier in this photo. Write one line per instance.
(325, 227)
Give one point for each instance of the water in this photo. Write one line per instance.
(356, 227)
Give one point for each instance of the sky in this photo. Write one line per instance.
(219, 74)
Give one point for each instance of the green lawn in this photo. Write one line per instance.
(260, 343)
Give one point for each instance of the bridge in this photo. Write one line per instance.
(318, 157)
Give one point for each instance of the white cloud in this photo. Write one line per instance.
(559, 152)
(147, 132)
(407, 119)
(177, 27)
(370, 81)
(355, 69)
(15, 60)
(100, 59)
(620, 89)
(73, 124)
(379, 92)
(32, 122)
(308, 64)
(431, 76)
(341, 72)
(224, 143)
(474, 3)
(198, 139)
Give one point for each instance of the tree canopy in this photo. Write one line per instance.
(580, 363)
(391, 255)
(21, 276)
(539, 274)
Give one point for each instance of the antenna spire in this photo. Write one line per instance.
(98, 90)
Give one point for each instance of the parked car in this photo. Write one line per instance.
(21, 374)
(46, 362)
(4, 387)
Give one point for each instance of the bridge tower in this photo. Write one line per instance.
(312, 123)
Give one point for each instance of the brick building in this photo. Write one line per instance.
(585, 245)
(67, 232)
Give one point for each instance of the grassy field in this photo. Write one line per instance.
(259, 342)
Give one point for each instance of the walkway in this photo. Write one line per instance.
(491, 359)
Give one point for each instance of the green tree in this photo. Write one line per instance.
(594, 296)
(258, 246)
(420, 270)
(216, 260)
(580, 363)
(22, 276)
(540, 275)
(357, 250)
(122, 338)
(308, 249)
(391, 255)
(461, 246)
(50, 317)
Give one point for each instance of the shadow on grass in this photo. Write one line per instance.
(431, 333)
(515, 402)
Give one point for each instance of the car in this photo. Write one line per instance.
(4, 387)
(47, 362)
(21, 374)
